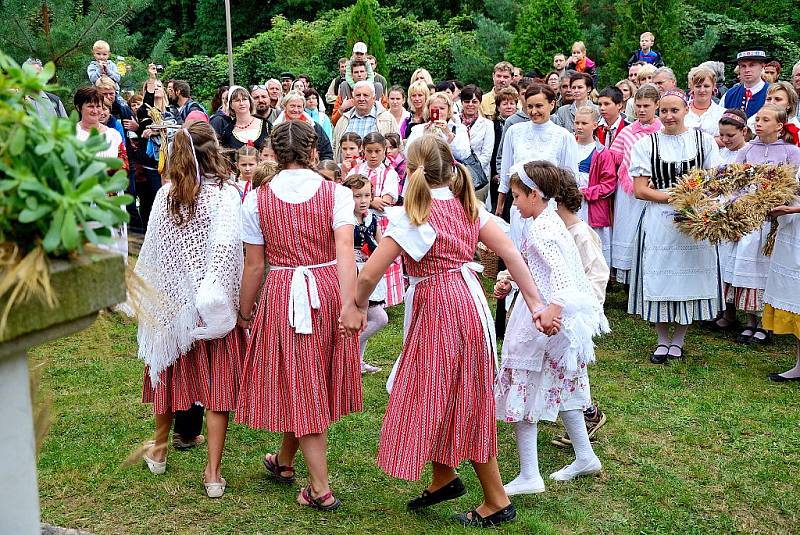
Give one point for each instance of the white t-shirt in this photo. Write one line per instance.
(672, 149)
(295, 186)
(111, 135)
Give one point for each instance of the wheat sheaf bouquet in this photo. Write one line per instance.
(730, 201)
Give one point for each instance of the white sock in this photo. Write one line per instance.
(586, 462)
(376, 319)
(529, 477)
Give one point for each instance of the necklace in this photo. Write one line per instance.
(695, 106)
(246, 126)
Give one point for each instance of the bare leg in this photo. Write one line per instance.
(494, 495)
(286, 454)
(217, 428)
(315, 452)
(442, 475)
(158, 452)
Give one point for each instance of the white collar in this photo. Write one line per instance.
(442, 193)
(756, 88)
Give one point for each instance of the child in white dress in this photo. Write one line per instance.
(543, 377)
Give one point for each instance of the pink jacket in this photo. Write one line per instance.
(602, 184)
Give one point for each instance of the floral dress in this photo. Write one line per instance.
(544, 375)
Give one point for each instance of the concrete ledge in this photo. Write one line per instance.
(84, 286)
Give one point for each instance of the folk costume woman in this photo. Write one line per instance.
(674, 279)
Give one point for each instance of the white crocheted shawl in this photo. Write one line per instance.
(193, 273)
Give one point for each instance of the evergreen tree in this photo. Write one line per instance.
(662, 18)
(363, 27)
(63, 32)
(543, 29)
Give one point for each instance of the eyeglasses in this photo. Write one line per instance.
(262, 87)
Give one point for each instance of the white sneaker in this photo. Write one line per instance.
(369, 368)
(524, 486)
(578, 469)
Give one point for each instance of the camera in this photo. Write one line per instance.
(159, 68)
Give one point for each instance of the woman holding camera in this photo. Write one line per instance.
(438, 117)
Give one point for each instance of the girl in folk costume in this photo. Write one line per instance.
(192, 255)
(782, 94)
(396, 159)
(440, 408)
(544, 377)
(748, 267)
(385, 192)
(351, 152)
(365, 241)
(301, 373)
(627, 208)
(663, 254)
(733, 134)
(782, 294)
(246, 162)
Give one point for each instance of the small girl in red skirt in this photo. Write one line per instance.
(191, 259)
(441, 408)
(301, 373)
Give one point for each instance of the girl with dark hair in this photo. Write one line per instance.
(301, 373)
(192, 256)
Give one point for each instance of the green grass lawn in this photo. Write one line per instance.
(706, 445)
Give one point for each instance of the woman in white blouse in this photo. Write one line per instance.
(539, 139)
(438, 117)
(480, 130)
(704, 114)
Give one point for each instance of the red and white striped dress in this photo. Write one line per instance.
(209, 373)
(441, 406)
(293, 382)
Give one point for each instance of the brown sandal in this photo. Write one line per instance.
(319, 502)
(272, 465)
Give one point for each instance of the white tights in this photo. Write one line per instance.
(376, 320)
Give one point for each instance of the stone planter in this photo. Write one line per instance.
(83, 287)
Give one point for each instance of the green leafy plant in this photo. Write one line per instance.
(543, 29)
(55, 193)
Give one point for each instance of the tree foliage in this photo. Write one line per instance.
(362, 26)
(543, 29)
(663, 18)
(63, 32)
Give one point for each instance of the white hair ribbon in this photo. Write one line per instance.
(519, 169)
(194, 154)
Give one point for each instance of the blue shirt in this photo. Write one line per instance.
(363, 125)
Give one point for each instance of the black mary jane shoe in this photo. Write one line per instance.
(451, 491)
(743, 338)
(778, 378)
(678, 356)
(473, 519)
(660, 359)
(767, 340)
(713, 326)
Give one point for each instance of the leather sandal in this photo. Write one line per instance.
(272, 465)
(319, 502)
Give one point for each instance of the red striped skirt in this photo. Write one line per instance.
(209, 374)
(299, 383)
(748, 300)
(395, 282)
(441, 408)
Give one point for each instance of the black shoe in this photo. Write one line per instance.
(473, 519)
(761, 341)
(743, 338)
(778, 378)
(660, 359)
(451, 491)
(679, 355)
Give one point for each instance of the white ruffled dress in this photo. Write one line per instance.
(543, 375)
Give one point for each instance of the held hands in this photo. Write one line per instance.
(352, 320)
(548, 320)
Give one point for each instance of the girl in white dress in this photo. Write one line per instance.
(543, 377)
(782, 295)
(733, 134)
(674, 279)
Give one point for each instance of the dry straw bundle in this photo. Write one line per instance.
(728, 202)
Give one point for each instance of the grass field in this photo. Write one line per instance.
(706, 445)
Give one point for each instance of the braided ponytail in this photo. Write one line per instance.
(293, 142)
